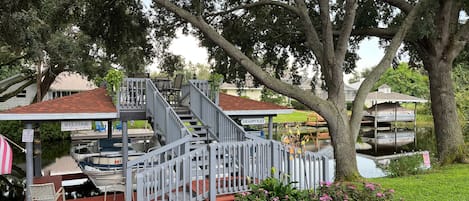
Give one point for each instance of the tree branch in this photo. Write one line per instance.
(12, 61)
(385, 63)
(14, 81)
(314, 102)
(312, 38)
(328, 42)
(459, 41)
(7, 96)
(401, 4)
(255, 4)
(347, 26)
(386, 33)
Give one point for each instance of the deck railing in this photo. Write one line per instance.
(219, 124)
(153, 159)
(227, 168)
(132, 95)
(163, 115)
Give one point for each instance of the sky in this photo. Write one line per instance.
(188, 47)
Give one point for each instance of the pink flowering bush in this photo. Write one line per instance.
(354, 192)
(274, 190)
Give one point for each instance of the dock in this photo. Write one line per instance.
(94, 135)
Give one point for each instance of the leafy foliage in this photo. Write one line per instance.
(49, 131)
(461, 82)
(271, 97)
(406, 80)
(75, 36)
(404, 166)
(365, 191)
(274, 190)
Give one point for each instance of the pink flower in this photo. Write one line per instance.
(379, 194)
(391, 190)
(325, 197)
(370, 186)
(327, 183)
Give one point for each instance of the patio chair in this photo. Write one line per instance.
(99, 126)
(119, 126)
(175, 90)
(46, 192)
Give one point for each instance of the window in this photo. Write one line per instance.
(22, 94)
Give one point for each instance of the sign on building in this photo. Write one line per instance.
(75, 125)
(252, 121)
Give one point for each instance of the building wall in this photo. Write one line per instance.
(21, 99)
(252, 93)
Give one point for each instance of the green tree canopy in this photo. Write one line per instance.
(403, 79)
(88, 37)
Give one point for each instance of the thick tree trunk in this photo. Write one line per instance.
(343, 143)
(450, 141)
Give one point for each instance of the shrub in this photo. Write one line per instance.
(353, 192)
(275, 190)
(403, 166)
(49, 131)
(298, 106)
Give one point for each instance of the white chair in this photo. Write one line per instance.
(46, 192)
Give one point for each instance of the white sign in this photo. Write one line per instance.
(253, 121)
(75, 125)
(28, 135)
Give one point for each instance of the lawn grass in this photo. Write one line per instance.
(445, 183)
(298, 116)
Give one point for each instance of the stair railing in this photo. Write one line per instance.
(152, 159)
(219, 124)
(227, 168)
(163, 115)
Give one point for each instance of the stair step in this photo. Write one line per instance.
(196, 127)
(185, 116)
(190, 120)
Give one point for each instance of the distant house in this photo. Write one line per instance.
(23, 98)
(65, 84)
(248, 90)
(255, 93)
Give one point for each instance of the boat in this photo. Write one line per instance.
(106, 171)
(389, 138)
(109, 146)
(101, 160)
(388, 112)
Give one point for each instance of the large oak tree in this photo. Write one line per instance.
(436, 41)
(259, 37)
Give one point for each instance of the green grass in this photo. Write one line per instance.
(447, 183)
(297, 116)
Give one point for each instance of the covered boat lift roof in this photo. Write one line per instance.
(384, 94)
(89, 105)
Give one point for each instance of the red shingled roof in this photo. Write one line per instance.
(229, 102)
(93, 101)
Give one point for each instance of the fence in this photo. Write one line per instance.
(226, 168)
